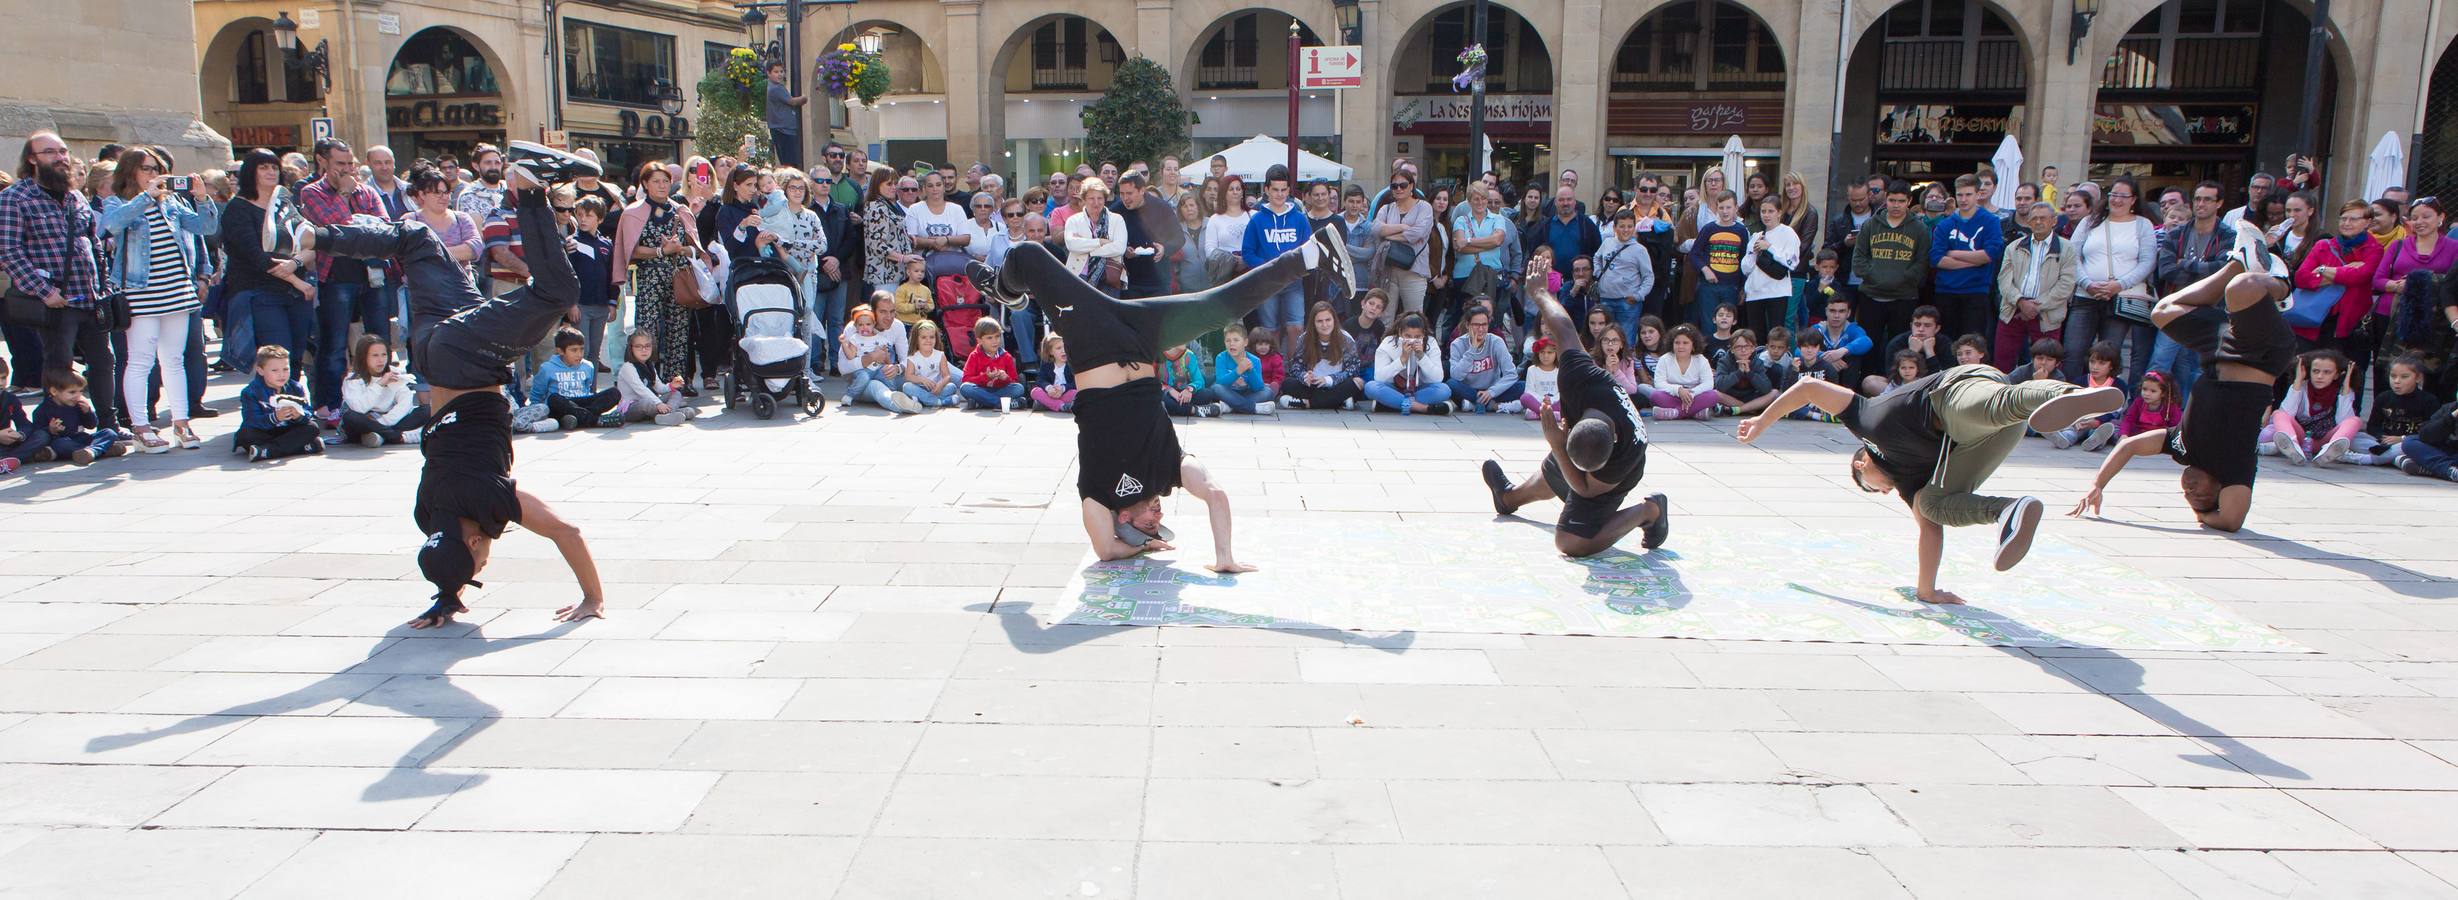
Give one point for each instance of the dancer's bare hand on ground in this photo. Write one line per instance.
(1749, 430)
(586, 609)
(1230, 567)
(1939, 597)
(1156, 545)
(2089, 504)
(431, 620)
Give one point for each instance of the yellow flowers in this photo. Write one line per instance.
(848, 48)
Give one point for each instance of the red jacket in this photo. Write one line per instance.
(2355, 273)
(979, 366)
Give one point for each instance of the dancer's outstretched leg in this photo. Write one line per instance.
(1032, 271)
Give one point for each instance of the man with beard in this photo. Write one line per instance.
(47, 249)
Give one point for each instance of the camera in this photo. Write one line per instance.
(178, 184)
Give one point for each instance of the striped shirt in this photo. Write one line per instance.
(167, 289)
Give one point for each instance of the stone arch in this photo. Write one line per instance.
(222, 106)
(1420, 15)
(1624, 21)
(507, 83)
(1195, 29)
(2341, 148)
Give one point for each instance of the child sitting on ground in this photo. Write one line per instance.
(64, 427)
(2046, 359)
(1613, 353)
(2154, 406)
(1482, 377)
(1824, 282)
(2399, 411)
(273, 420)
(2433, 451)
(1742, 383)
(1182, 384)
(990, 373)
(2316, 423)
(1237, 377)
(16, 429)
(1908, 366)
(1056, 392)
(1266, 347)
(567, 384)
(1727, 318)
(377, 407)
(1777, 346)
(929, 379)
(1808, 360)
(1651, 340)
(644, 399)
(2094, 432)
(1970, 350)
(1543, 383)
(1840, 341)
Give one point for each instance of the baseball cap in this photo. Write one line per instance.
(445, 561)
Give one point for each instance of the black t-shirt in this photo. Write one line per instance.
(468, 472)
(1587, 386)
(2222, 423)
(1900, 430)
(1145, 277)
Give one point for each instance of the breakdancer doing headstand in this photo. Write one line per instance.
(1129, 454)
(2232, 320)
(464, 346)
(1597, 449)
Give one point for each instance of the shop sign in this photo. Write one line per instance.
(438, 115)
(2172, 125)
(265, 136)
(1655, 116)
(1409, 112)
(654, 126)
(1945, 123)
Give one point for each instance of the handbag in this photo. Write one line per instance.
(2132, 304)
(1399, 254)
(2308, 306)
(112, 311)
(23, 309)
(687, 282)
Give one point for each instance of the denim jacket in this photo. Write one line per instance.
(123, 225)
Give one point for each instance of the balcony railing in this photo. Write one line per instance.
(1060, 79)
(1226, 78)
(2199, 64)
(1923, 64)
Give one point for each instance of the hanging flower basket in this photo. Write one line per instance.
(847, 72)
(1472, 68)
(742, 71)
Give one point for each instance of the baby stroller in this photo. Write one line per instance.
(769, 365)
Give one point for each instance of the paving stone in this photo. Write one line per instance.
(483, 866)
(1781, 815)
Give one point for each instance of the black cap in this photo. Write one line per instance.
(446, 562)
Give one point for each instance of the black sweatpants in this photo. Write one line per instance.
(355, 423)
(1095, 325)
(587, 409)
(457, 339)
(290, 440)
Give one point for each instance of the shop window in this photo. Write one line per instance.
(437, 61)
(250, 85)
(606, 64)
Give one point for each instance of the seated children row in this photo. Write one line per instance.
(62, 426)
(2316, 423)
(904, 370)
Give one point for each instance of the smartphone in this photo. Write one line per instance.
(178, 184)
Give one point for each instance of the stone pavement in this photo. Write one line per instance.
(824, 677)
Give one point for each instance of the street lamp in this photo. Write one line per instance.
(755, 26)
(1352, 30)
(2084, 12)
(869, 43)
(317, 61)
(669, 97)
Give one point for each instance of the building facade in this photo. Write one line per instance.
(138, 92)
(430, 77)
(2167, 90)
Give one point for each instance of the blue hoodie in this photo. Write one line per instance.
(561, 380)
(1269, 234)
(1981, 232)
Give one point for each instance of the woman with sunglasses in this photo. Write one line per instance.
(885, 244)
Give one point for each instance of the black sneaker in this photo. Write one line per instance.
(549, 165)
(1438, 408)
(986, 279)
(2405, 464)
(568, 423)
(1652, 535)
(1499, 484)
(2015, 528)
(1332, 255)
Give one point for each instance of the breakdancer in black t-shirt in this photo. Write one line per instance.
(464, 347)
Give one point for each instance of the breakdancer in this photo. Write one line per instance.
(464, 346)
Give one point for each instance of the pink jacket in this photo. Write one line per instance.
(636, 219)
(2355, 272)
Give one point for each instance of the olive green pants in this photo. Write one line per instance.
(1983, 417)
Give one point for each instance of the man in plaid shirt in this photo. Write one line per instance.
(47, 249)
(343, 286)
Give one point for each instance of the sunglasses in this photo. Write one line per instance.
(834, 154)
(566, 210)
(823, 182)
(1013, 215)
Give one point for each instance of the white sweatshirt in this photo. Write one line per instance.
(386, 399)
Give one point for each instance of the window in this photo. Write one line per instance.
(1938, 46)
(1058, 56)
(251, 86)
(2196, 45)
(713, 54)
(606, 64)
(1228, 60)
(1664, 52)
(1448, 36)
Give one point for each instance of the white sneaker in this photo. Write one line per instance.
(1348, 405)
(1265, 408)
(846, 400)
(2285, 444)
(2333, 452)
(1288, 402)
(904, 403)
(672, 416)
(1207, 410)
(413, 437)
(2100, 437)
(545, 426)
(2063, 439)
(1510, 407)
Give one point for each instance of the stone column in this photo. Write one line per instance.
(1152, 34)
(1365, 112)
(2058, 106)
(1578, 92)
(359, 68)
(2380, 87)
(976, 126)
(1810, 96)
